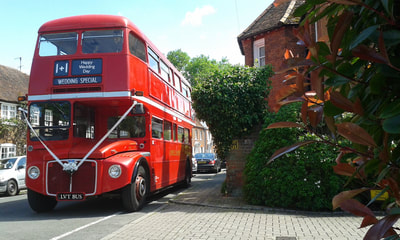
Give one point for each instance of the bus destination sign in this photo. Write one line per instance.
(77, 80)
(87, 67)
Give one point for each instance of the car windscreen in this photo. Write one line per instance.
(7, 163)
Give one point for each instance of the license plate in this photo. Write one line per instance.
(201, 162)
(70, 196)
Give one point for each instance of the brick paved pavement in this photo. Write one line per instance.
(201, 212)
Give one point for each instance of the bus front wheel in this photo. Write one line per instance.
(41, 203)
(134, 195)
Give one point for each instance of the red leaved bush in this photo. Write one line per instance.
(355, 91)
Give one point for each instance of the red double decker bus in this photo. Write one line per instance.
(107, 113)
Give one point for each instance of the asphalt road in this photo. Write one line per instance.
(90, 219)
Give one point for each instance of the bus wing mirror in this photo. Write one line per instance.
(138, 109)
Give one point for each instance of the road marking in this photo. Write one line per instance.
(85, 226)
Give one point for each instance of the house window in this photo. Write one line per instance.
(7, 150)
(8, 111)
(259, 53)
(48, 117)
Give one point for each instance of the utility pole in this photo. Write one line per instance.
(20, 63)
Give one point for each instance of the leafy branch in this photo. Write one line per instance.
(355, 91)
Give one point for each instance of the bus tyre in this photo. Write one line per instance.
(12, 188)
(134, 195)
(188, 175)
(41, 203)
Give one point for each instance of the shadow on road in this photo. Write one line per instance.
(16, 208)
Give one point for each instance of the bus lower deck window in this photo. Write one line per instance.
(130, 127)
(83, 121)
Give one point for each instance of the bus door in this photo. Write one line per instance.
(161, 177)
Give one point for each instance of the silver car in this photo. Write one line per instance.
(207, 162)
(12, 175)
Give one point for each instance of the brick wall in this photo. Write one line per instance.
(236, 161)
(248, 51)
(276, 42)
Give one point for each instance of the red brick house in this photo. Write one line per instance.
(264, 42)
(266, 39)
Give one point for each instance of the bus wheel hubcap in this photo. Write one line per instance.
(140, 187)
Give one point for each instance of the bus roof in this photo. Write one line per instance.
(82, 22)
(87, 21)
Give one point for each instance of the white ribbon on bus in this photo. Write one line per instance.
(72, 167)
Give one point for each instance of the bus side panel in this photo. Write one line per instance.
(138, 75)
(187, 108)
(161, 166)
(115, 72)
(41, 75)
(172, 155)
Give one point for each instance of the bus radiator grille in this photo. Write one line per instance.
(83, 180)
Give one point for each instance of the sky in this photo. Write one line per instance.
(208, 27)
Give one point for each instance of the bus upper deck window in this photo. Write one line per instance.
(58, 44)
(137, 47)
(104, 41)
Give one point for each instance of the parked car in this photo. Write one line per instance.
(207, 162)
(194, 165)
(12, 175)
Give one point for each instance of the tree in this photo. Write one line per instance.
(200, 67)
(14, 131)
(195, 69)
(355, 82)
(179, 59)
(231, 100)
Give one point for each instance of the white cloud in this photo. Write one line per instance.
(195, 18)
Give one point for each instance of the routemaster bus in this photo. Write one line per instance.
(107, 113)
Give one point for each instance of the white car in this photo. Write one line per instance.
(12, 175)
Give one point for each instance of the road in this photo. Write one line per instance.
(91, 219)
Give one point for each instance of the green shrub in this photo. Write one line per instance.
(303, 179)
(232, 101)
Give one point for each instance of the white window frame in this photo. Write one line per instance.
(48, 117)
(8, 111)
(259, 59)
(34, 116)
(8, 150)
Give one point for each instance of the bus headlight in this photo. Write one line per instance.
(33, 172)
(114, 171)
